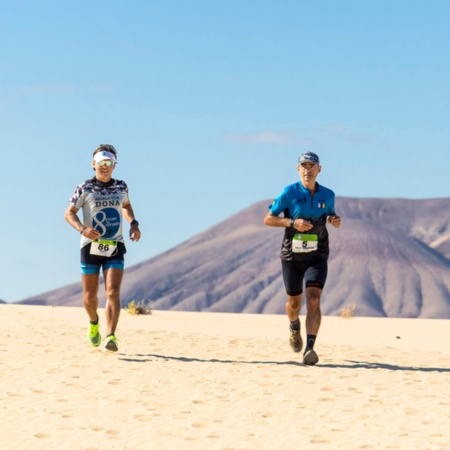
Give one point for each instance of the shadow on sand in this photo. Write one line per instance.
(351, 364)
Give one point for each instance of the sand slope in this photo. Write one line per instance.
(186, 380)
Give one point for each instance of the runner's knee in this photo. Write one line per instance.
(295, 302)
(113, 293)
(89, 298)
(313, 303)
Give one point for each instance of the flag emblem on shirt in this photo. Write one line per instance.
(321, 205)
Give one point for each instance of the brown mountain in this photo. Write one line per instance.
(391, 257)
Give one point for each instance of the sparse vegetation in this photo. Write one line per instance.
(138, 308)
(347, 311)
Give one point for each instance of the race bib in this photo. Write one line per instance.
(305, 243)
(102, 247)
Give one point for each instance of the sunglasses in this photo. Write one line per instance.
(107, 162)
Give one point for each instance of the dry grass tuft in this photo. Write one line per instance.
(138, 308)
(348, 311)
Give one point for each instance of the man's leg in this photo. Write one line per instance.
(315, 278)
(113, 281)
(90, 290)
(293, 280)
(90, 284)
(313, 313)
(313, 319)
(293, 306)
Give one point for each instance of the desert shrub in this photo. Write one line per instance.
(138, 308)
(347, 311)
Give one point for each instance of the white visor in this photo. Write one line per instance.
(100, 156)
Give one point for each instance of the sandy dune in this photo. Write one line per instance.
(221, 381)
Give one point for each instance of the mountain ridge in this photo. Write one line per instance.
(390, 258)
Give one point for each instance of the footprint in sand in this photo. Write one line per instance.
(112, 433)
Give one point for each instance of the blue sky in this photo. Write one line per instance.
(209, 104)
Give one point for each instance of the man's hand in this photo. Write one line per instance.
(135, 234)
(334, 220)
(91, 233)
(302, 225)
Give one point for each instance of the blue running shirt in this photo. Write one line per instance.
(297, 202)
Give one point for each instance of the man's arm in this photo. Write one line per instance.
(275, 221)
(332, 217)
(128, 213)
(73, 220)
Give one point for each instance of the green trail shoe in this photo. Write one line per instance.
(111, 344)
(94, 335)
(295, 340)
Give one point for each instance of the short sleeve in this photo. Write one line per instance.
(279, 204)
(76, 199)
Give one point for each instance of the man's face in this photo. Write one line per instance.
(103, 169)
(308, 172)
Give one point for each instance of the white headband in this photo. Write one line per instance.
(100, 156)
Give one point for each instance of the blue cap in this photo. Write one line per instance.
(309, 157)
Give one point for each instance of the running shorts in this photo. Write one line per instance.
(91, 264)
(313, 273)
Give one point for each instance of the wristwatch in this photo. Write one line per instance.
(134, 222)
(292, 222)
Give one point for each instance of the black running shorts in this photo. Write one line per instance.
(313, 273)
(91, 264)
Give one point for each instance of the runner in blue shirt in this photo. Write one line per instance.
(307, 207)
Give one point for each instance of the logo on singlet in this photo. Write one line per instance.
(107, 222)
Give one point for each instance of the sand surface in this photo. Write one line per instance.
(186, 380)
